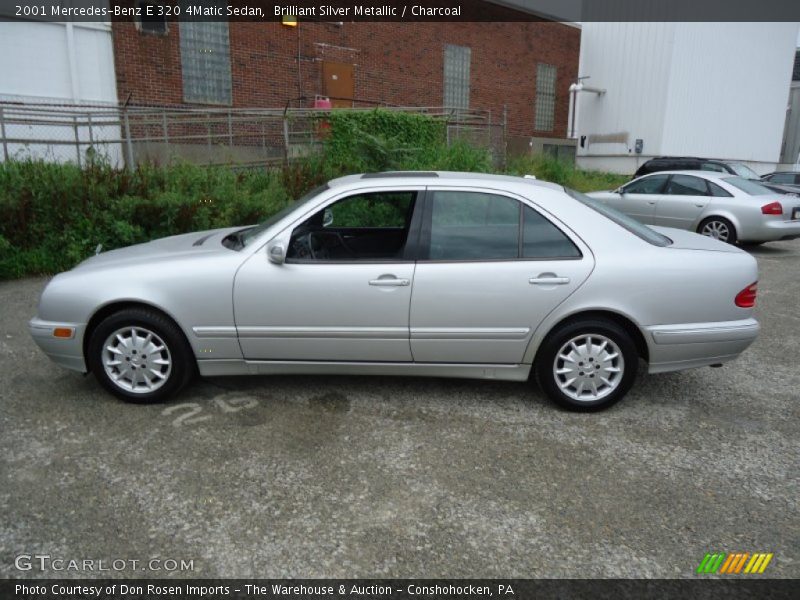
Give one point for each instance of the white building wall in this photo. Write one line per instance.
(704, 89)
(631, 61)
(47, 62)
(729, 88)
(60, 64)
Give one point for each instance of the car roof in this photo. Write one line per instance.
(698, 158)
(695, 172)
(438, 178)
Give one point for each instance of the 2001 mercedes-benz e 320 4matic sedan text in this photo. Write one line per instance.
(442, 274)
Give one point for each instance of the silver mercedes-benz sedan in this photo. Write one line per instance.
(440, 274)
(719, 205)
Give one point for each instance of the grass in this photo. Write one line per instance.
(53, 215)
(566, 174)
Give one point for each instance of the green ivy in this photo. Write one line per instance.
(52, 216)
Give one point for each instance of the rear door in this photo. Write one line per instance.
(638, 198)
(683, 201)
(491, 268)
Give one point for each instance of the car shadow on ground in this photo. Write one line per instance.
(772, 249)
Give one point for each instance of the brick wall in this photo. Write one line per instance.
(396, 63)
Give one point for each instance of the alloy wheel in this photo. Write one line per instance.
(717, 230)
(136, 360)
(589, 367)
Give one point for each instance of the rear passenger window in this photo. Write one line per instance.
(686, 185)
(474, 226)
(478, 226)
(542, 239)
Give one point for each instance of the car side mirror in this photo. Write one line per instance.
(276, 253)
(327, 218)
(620, 191)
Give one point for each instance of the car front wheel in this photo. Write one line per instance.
(140, 356)
(587, 365)
(718, 228)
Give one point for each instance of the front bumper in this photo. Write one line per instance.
(67, 352)
(690, 345)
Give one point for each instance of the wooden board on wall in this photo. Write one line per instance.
(338, 81)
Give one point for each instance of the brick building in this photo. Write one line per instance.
(523, 67)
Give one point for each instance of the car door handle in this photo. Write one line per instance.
(548, 280)
(389, 282)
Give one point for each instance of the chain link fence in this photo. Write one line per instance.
(127, 136)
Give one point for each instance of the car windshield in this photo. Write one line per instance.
(750, 187)
(743, 171)
(248, 235)
(635, 227)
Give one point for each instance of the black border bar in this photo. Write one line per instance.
(696, 587)
(346, 11)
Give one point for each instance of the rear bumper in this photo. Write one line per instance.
(771, 231)
(690, 345)
(67, 352)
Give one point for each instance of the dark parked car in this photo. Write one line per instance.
(785, 178)
(692, 163)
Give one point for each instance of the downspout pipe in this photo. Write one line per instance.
(574, 90)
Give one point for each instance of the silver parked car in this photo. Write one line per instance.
(723, 206)
(441, 274)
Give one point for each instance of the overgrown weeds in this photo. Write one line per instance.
(52, 216)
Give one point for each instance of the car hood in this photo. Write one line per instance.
(688, 240)
(169, 248)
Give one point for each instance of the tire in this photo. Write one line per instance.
(609, 350)
(719, 228)
(150, 361)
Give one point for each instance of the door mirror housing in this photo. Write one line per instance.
(276, 252)
(327, 217)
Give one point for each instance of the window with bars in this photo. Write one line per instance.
(456, 75)
(206, 60)
(545, 97)
(155, 22)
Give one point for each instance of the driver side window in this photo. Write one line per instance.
(647, 185)
(368, 226)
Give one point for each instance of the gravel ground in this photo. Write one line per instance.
(392, 477)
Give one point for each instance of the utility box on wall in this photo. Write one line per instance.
(560, 148)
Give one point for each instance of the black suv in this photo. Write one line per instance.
(692, 163)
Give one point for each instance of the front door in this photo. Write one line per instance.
(491, 269)
(638, 198)
(343, 293)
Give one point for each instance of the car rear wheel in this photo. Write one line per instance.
(587, 365)
(718, 228)
(140, 356)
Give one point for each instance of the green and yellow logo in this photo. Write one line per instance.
(734, 563)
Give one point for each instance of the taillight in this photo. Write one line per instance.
(773, 208)
(747, 297)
